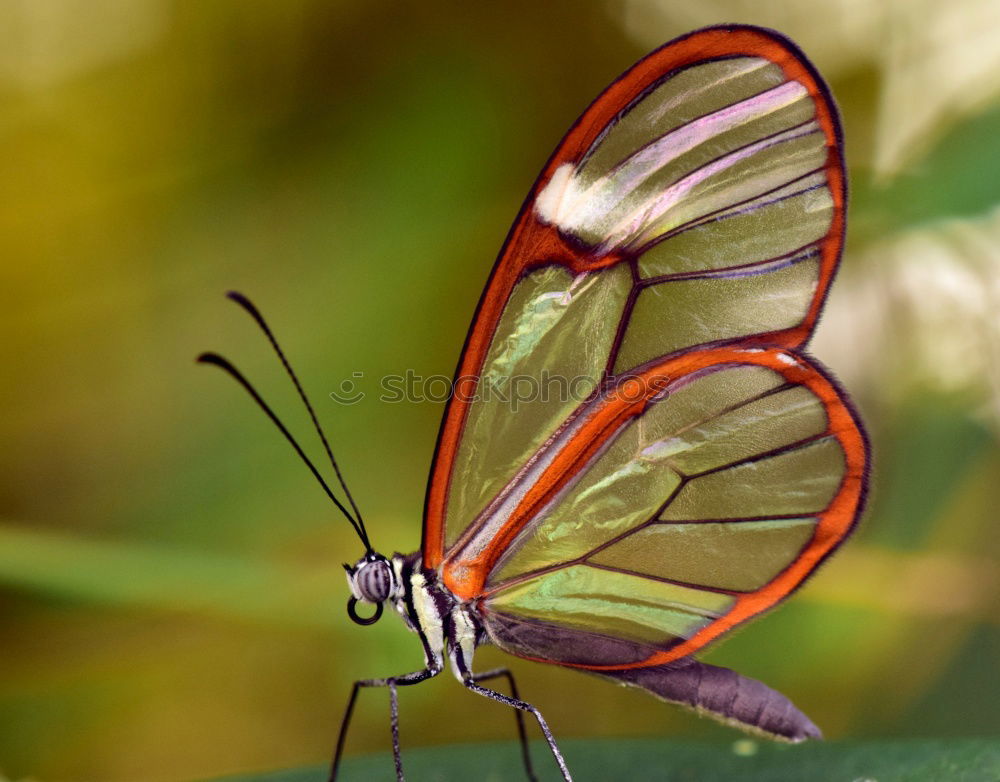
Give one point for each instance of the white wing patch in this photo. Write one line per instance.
(627, 205)
(550, 198)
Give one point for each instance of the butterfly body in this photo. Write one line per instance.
(674, 253)
(673, 257)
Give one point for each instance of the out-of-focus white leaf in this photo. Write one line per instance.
(941, 63)
(921, 309)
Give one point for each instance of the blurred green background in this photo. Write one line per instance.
(170, 585)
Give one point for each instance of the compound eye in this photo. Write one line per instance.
(374, 580)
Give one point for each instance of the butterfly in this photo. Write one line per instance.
(683, 464)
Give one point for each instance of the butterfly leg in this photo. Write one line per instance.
(505, 673)
(391, 684)
(516, 703)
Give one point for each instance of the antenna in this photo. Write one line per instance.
(248, 305)
(217, 360)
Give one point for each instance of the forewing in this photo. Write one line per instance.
(698, 201)
(665, 522)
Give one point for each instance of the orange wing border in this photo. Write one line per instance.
(531, 243)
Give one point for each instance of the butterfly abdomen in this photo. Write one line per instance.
(724, 695)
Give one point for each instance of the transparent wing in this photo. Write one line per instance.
(698, 202)
(696, 501)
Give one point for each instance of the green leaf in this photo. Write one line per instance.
(747, 760)
(959, 178)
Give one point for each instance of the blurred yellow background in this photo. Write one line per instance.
(170, 582)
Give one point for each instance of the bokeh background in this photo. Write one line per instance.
(170, 585)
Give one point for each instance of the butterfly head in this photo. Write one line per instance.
(371, 580)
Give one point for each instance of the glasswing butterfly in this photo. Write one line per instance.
(673, 255)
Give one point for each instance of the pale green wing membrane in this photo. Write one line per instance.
(710, 493)
(711, 193)
(549, 353)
